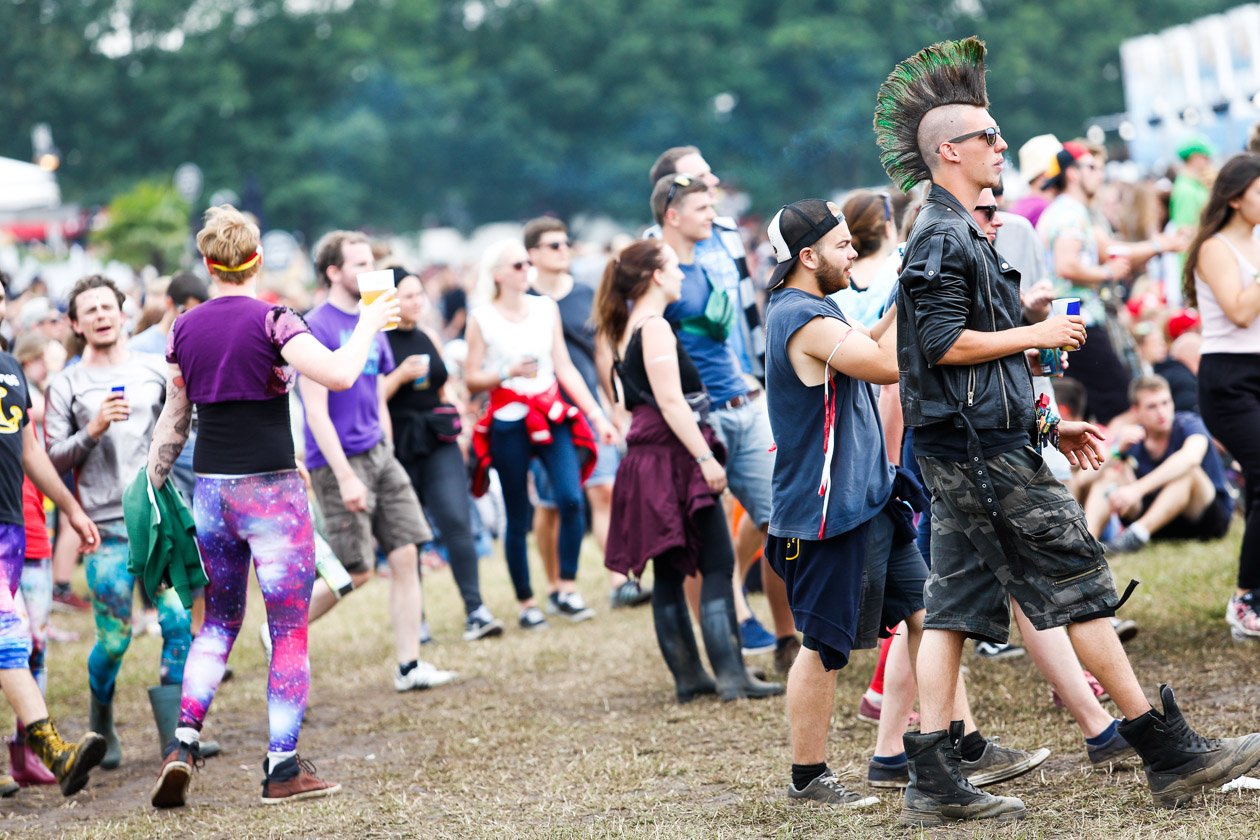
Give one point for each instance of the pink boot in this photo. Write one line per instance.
(26, 768)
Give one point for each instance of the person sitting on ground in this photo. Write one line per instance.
(1169, 481)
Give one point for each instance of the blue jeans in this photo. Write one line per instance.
(510, 454)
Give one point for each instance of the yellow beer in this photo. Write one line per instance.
(373, 284)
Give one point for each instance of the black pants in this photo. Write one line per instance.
(441, 482)
(1104, 375)
(1229, 397)
(716, 563)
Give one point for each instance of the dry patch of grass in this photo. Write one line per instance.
(573, 732)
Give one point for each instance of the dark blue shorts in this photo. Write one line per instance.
(845, 590)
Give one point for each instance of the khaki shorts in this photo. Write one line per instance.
(393, 514)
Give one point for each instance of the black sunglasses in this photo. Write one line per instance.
(679, 181)
(990, 134)
(519, 265)
(989, 210)
(556, 246)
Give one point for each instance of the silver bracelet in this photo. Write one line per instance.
(705, 457)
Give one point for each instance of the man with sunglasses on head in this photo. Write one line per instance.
(547, 243)
(1002, 525)
(724, 264)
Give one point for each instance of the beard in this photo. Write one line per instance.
(831, 277)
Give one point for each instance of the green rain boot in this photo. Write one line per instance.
(70, 763)
(101, 721)
(165, 702)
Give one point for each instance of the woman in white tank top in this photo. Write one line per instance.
(516, 351)
(1221, 279)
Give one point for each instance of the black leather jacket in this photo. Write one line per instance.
(953, 279)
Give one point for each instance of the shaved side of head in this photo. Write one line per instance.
(938, 126)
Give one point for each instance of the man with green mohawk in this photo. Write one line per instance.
(1003, 527)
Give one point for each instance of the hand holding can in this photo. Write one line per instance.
(1066, 306)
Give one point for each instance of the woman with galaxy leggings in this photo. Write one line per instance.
(234, 357)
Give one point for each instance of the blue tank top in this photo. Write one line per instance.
(860, 476)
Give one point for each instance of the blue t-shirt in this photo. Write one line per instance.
(1185, 424)
(861, 477)
(355, 412)
(719, 368)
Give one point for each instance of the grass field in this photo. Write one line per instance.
(573, 732)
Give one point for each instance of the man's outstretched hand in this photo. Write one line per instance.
(1082, 443)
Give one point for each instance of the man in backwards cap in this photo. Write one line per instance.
(1002, 525)
(817, 372)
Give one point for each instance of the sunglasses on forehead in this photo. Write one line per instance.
(987, 210)
(679, 181)
(990, 135)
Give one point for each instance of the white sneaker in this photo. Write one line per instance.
(423, 676)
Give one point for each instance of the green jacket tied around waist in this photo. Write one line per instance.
(163, 540)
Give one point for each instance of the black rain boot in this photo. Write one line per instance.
(1179, 762)
(678, 646)
(938, 793)
(164, 699)
(101, 721)
(721, 641)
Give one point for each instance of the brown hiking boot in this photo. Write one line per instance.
(171, 788)
(70, 763)
(294, 779)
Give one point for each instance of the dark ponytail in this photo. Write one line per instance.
(626, 277)
(1232, 181)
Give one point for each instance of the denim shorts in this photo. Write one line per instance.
(1058, 574)
(745, 432)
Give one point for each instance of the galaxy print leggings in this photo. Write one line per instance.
(15, 638)
(113, 589)
(265, 515)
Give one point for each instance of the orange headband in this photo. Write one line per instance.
(253, 260)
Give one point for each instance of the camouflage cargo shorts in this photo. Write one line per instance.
(1059, 574)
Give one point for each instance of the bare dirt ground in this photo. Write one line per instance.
(573, 732)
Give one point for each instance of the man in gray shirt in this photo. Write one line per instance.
(99, 420)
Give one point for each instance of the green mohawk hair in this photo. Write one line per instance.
(948, 73)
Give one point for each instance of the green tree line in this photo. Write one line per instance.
(393, 114)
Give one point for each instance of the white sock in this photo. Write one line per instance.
(275, 759)
(1139, 531)
(187, 735)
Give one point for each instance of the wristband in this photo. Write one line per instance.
(708, 456)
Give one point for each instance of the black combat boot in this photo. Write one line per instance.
(938, 793)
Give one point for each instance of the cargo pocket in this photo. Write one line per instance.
(1058, 543)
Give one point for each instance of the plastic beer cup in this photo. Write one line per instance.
(373, 284)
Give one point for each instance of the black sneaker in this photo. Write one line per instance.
(480, 624)
(998, 763)
(881, 775)
(1180, 763)
(1126, 628)
(572, 607)
(828, 790)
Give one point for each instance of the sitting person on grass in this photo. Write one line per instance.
(1167, 480)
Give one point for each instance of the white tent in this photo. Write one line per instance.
(24, 186)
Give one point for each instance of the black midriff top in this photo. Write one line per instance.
(409, 398)
(243, 437)
(634, 373)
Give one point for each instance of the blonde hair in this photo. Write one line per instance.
(487, 287)
(229, 238)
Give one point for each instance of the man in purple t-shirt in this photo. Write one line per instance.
(363, 490)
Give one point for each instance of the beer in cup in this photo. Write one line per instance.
(1065, 306)
(373, 284)
(422, 381)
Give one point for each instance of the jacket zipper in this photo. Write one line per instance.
(988, 287)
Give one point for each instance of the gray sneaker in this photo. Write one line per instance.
(828, 790)
(1126, 543)
(999, 763)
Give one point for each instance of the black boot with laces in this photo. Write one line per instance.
(1180, 762)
